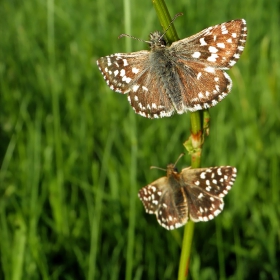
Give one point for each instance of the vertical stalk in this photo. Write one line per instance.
(133, 165)
(194, 144)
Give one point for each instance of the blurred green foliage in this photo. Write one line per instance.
(73, 154)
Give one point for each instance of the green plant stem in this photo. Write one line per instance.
(130, 258)
(196, 141)
(165, 19)
(196, 145)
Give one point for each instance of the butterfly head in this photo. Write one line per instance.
(157, 40)
(172, 171)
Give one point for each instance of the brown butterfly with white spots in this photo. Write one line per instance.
(189, 75)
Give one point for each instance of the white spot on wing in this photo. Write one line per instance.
(214, 102)
(126, 79)
(221, 45)
(202, 175)
(224, 29)
(212, 49)
(135, 70)
(202, 42)
(135, 88)
(200, 95)
(109, 61)
(217, 212)
(209, 69)
(213, 57)
(125, 62)
(196, 54)
(197, 107)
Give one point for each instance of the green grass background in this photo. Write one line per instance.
(74, 155)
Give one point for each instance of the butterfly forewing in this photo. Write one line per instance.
(216, 181)
(120, 69)
(218, 46)
(151, 194)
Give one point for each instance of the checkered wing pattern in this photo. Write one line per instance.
(170, 206)
(205, 189)
(203, 58)
(133, 74)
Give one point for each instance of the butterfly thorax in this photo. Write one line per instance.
(164, 67)
(173, 175)
(157, 42)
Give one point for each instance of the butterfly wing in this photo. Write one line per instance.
(169, 206)
(218, 46)
(132, 73)
(205, 189)
(200, 87)
(201, 59)
(120, 69)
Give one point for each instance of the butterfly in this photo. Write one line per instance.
(195, 194)
(188, 75)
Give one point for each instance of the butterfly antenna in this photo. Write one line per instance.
(159, 168)
(177, 15)
(140, 40)
(129, 36)
(178, 159)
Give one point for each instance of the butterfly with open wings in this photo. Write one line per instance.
(189, 75)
